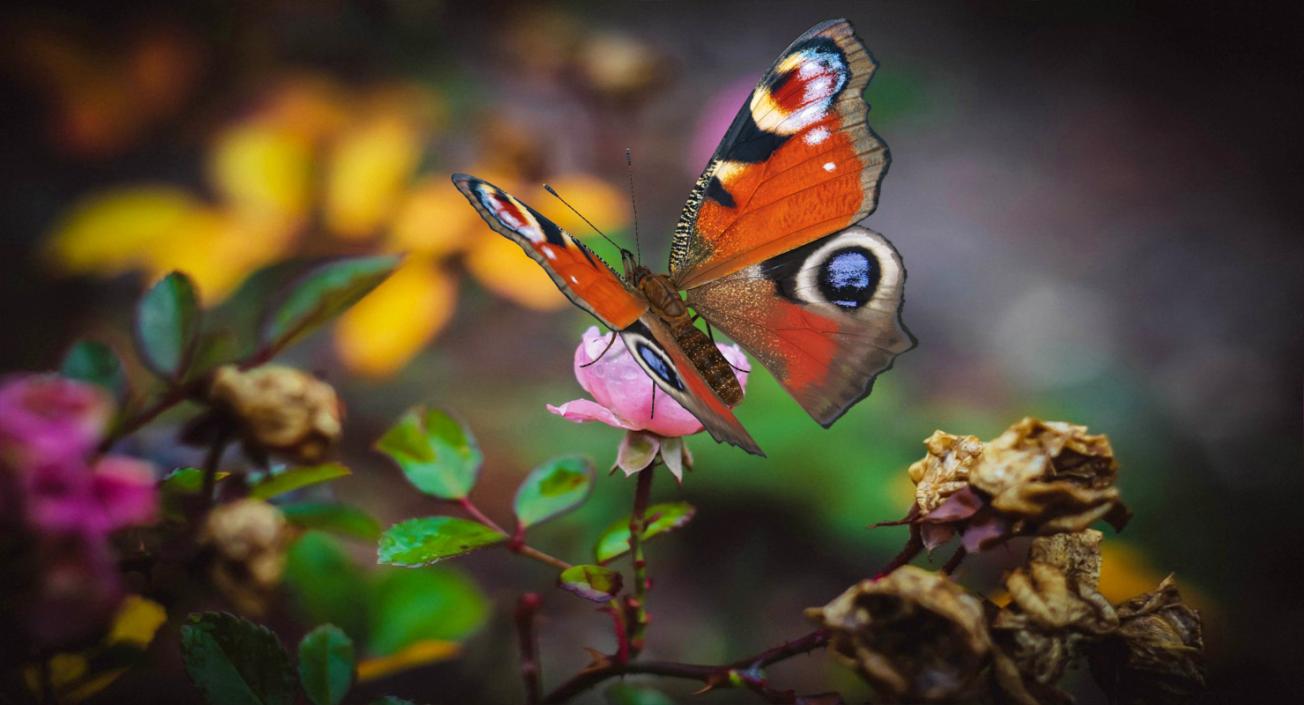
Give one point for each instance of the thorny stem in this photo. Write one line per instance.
(913, 546)
(954, 561)
(211, 461)
(526, 608)
(711, 676)
(636, 605)
(516, 544)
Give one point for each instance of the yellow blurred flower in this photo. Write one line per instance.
(312, 152)
(383, 331)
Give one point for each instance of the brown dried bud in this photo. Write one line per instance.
(280, 410)
(1156, 656)
(1055, 610)
(913, 635)
(1038, 477)
(1052, 473)
(619, 68)
(249, 538)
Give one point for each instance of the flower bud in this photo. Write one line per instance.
(915, 636)
(280, 410)
(249, 538)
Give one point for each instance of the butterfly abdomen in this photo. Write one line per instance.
(707, 358)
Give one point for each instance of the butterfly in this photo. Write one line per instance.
(767, 250)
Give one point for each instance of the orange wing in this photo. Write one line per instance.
(825, 318)
(581, 275)
(799, 162)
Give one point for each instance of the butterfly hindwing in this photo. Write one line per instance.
(584, 278)
(823, 318)
(799, 162)
(653, 346)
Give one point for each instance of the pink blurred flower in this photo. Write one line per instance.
(68, 496)
(43, 417)
(622, 398)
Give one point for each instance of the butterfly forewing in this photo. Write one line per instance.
(799, 162)
(580, 274)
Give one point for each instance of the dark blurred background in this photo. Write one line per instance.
(1098, 205)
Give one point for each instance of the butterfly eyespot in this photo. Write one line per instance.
(658, 365)
(848, 277)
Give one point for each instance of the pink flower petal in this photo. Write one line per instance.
(583, 410)
(619, 384)
(125, 490)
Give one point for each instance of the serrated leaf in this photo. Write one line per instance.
(630, 694)
(429, 605)
(660, 518)
(326, 664)
(322, 294)
(167, 325)
(290, 479)
(94, 362)
(428, 540)
(591, 582)
(553, 488)
(334, 517)
(436, 452)
(236, 662)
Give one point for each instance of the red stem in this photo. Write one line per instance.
(526, 608)
(712, 676)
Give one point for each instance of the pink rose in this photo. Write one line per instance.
(69, 497)
(622, 398)
(44, 417)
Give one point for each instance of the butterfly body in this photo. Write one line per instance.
(767, 250)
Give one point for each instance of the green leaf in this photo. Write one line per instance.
(553, 488)
(328, 586)
(437, 453)
(179, 484)
(337, 518)
(94, 362)
(407, 606)
(630, 694)
(591, 582)
(291, 479)
(236, 662)
(322, 294)
(326, 664)
(425, 541)
(167, 325)
(660, 518)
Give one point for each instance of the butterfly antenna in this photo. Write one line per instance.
(551, 190)
(633, 204)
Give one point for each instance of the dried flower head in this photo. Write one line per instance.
(914, 635)
(249, 538)
(1054, 611)
(280, 410)
(1156, 656)
(1038, 477)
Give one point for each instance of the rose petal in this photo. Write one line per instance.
(984, 532)
(583, 410)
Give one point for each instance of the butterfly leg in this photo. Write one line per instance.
(653, 415)
(711, 334)
(604, 351)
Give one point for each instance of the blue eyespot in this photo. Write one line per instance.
(659, 366)
(848, 277)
